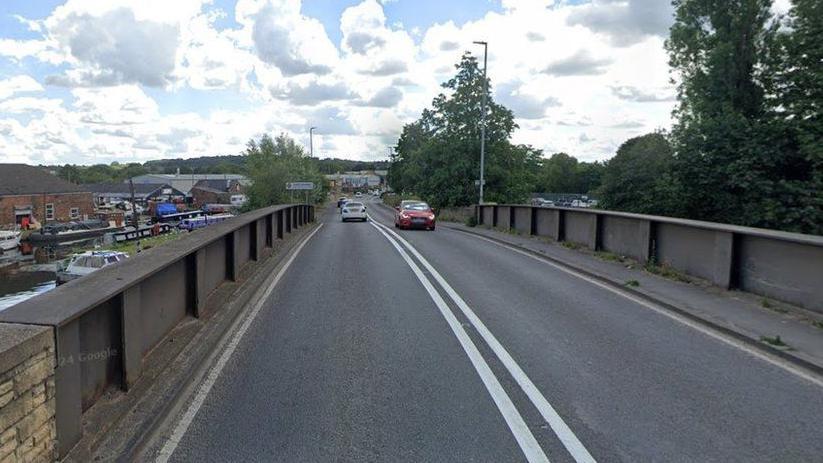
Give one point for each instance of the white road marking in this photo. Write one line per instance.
(776, 361)
(522, 434)
(576, 448)
(203, 391)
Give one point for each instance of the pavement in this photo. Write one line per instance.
(442, 346)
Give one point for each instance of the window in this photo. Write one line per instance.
(50, 211)
(74, 213)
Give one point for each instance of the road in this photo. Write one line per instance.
(474, 352)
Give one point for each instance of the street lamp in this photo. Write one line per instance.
(311, 141)
(483, 119)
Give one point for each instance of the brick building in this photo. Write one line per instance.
(214, 191)
(28, 191)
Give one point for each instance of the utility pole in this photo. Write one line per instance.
(134, 220)
(311, 141)
(483, 120)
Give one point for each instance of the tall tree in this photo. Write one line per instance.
(438, 156)
(794, 79)
(723, 163)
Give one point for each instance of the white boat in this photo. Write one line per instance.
(88, 262)
(9, 239)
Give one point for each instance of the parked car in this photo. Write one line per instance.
(540, 202)
(580, 203)
(414, 214)
(353, 210)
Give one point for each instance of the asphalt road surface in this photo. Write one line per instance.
(438, 346)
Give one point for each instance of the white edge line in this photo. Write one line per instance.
(576, 448)
(214, 372)
(672, 315)
(525, 439)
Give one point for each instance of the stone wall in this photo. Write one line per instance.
(27, 424)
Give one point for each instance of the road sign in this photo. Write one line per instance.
(477, 182)
(300, 186)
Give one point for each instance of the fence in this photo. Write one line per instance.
(105, 323)
(780, 265)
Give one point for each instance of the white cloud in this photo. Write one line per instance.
(18, 84)
(285, 38)
(625, 22)
(579, 78)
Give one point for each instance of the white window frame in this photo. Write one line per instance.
(49, 211)
(74, 213)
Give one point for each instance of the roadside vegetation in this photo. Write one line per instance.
(745, 149)
(273, 162)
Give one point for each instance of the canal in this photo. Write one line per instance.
(31, 270)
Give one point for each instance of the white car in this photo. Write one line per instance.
(353, 210)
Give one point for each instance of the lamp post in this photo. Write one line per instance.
(311, 141)
(483, 119)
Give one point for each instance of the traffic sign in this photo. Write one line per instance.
(300, 186)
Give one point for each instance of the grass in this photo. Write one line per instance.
(571, 245)
(767, 304)
(632, 283)
(666, 271)
(773, 341)
(817, 324)
(455, 214)
(609, 256)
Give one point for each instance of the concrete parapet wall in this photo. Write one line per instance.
(103, 326)
(780, 265)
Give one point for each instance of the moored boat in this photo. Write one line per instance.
(88, 262)
(9, 239)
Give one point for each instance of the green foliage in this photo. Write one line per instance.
(438, 156)
(639, 177)
(271, 163)
(562, 173)
(100, 173)
(748, 135)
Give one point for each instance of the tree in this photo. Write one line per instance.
(271, 163)
(794, 80)
(438, 156)
(638, 177)
(726, 168)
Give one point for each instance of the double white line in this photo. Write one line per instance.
(525, 439)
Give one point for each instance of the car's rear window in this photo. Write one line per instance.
(416, 207)
(350, 204)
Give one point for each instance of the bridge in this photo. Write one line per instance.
(543, 334)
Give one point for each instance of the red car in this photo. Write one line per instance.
(414, 214)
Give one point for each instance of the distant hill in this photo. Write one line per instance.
(230, 164)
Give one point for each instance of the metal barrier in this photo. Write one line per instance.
(107, 322)
(780, 265)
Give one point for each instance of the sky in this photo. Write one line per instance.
(85, 81)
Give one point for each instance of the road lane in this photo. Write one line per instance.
(349, 360)
(632, 383)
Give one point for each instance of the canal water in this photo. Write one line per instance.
(31, 270)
